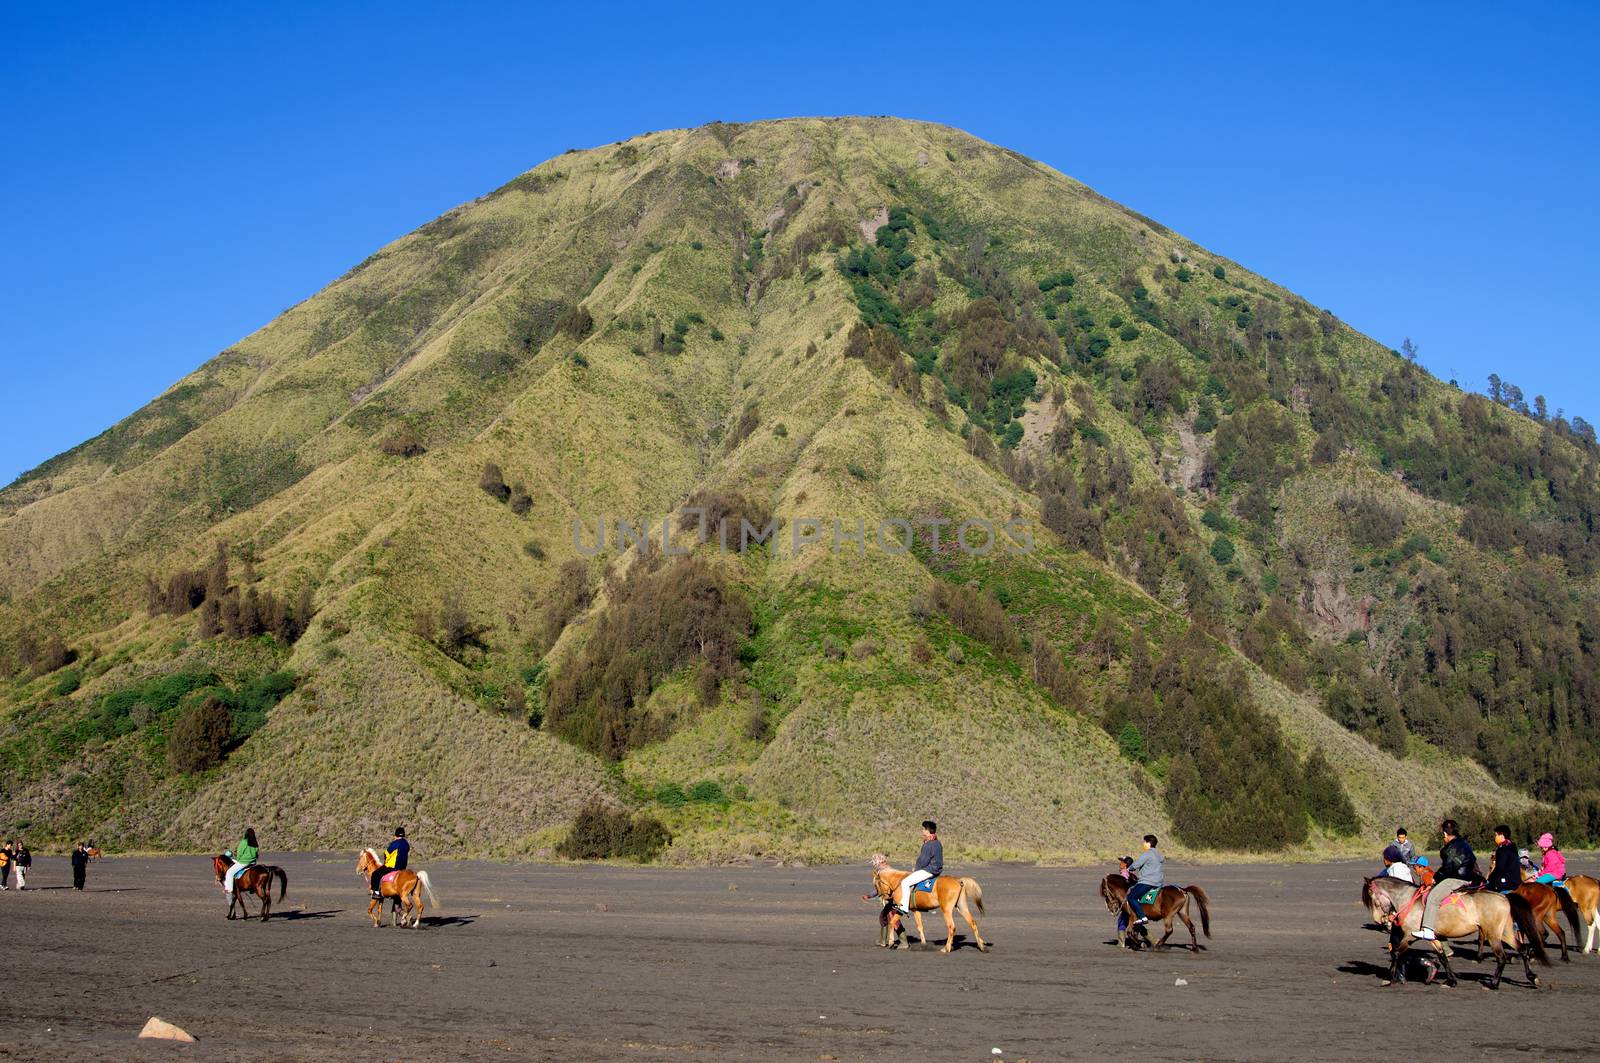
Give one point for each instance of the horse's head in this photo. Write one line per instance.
(1112, 889)
(219, 864)
(367, 862)
(1378, 896)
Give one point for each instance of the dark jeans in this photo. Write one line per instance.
(1135, 892)
(78, 874)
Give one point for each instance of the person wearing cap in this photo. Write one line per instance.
(1395, 865)
(1553, 867)
(1506, 874)
(394, 859)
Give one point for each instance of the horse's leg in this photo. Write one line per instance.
(375, 915)
(416, 898)
(1182, 912)
(1553, 923)
(266, 899)
(966, 913)
(947, 909)
(922, 931)
(1397, 971)
(1166, 922)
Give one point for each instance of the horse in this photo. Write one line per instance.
(406, 887)
(950, 894)
(1169, 901)
(255, 879)
(1584, 892)
(1498, 917)
(1548, 904)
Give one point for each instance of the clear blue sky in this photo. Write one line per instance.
(173, 179)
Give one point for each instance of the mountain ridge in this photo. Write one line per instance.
(619, 329)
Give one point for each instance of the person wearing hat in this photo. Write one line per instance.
(1395, 865)
(394, 859)
(1553, 868)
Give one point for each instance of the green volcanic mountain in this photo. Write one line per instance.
(1255, 581)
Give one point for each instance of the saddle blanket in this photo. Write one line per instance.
(388, 879)
(925, 886)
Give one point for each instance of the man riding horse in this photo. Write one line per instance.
(1146, 877)
(930, 865)
(395, 858)
(1458, 870)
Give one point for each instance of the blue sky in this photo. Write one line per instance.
(173, 179)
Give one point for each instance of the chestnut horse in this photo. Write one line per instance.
(950, 895)
(256, 879)
(1501, 918)
(1549, 904)
(1169, 902)
(406, 887)
(1584, 892)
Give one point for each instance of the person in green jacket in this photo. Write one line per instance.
(244, 854)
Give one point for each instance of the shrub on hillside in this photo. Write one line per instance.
(1371, 523)
(493, 482)
(602, 833)
(569, 597)
(450, 627)
(200, 737)
(404, 443)
(1326, 801)
(661, 618)
(977, 614)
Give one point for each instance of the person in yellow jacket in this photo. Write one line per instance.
(394, 859)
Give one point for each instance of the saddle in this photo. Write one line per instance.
(925, 886)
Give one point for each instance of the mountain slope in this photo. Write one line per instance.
(840, 319)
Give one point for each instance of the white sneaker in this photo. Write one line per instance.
(1425, 935)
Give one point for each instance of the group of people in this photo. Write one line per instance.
(15, 855)
(248, 851)
(16, 858)
(1458, 867)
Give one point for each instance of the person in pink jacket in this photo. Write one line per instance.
(1554, 866)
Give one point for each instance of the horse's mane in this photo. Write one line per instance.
(370, 851)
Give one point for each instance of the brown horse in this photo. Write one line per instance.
(1170, 902)
(406, 887)
(1549, 904)
(256, 879)
(1498, 917)
(950, 895)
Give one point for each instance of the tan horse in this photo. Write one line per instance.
(406, 887)
(1585, 893)
(1498, 917)
(950, 895)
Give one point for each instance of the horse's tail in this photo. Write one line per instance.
(283, 883)
(1569, 908)
(1532, 932)
(427, 887)
(1204, 904)
(971, 888)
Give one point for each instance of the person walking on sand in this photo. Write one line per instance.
(1402, 841)
(21, 860)
(80, 865)
(5, 864)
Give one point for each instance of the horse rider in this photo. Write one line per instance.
(1148, 878)
(243, 856)
(1458, 869)
(930, 865)
(1395, 865)
(1506, 874)
(1553, 866)
(394, 859)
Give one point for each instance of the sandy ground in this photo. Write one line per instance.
(579, 963)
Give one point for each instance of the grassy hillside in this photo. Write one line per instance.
(1266, 585)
